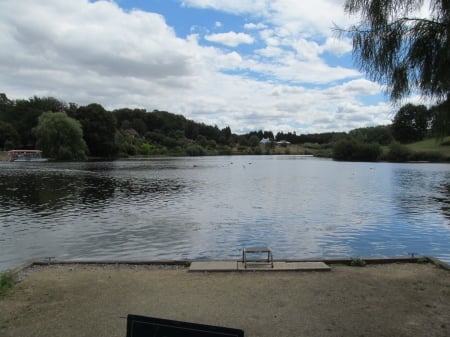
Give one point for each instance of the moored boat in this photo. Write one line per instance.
(26, 156)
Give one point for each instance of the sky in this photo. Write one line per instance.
(248, 64)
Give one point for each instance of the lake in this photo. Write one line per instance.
(212, 207)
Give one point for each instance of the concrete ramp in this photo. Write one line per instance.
(218, 266)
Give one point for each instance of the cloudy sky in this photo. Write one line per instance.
(248, 64)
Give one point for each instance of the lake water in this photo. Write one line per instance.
(212, 207)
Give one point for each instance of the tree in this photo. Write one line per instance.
(9, 137)
(23, 115)
(99, 128)
(128, 118)
(351, 150)
(253, 140)
(191, 130)
(376, 134)
(226, 133)
(440, 118)
(60, 137)
(410, 124)
(401, 49)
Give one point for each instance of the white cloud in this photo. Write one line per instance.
(270, 52)
(308, 18)
(288, 67)
(232, 6)
(337, 46)
(296, 17)
(231, 39)
(358, 87)
(258, 25)
(84, 52)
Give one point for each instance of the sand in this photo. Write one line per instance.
(376, 300)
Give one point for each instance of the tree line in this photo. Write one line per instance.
(412, 123)
(67, 131)
(72, 132)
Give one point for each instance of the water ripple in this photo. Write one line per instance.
(199, 208)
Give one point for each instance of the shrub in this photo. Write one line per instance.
(145, 149)
(429, 156)
(6, 282)
(195, 150)
(399, 153)
(225, 150)
(257, 150)
(352, 150)
(357, 262)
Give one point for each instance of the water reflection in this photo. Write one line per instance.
(443, 198)
(45, 191)
(195, 208)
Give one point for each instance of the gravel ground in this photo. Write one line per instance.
(376, 300)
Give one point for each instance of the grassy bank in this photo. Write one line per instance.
(292, 149)
(429, 150)
(441, 146)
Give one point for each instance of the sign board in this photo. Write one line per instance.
(143, 326)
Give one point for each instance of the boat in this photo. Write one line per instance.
(26, 156)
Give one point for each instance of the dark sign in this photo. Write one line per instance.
(142, 326)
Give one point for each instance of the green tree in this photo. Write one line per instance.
(128, 118)
(60, 137)
(351, 150)
(6, 109)
(191, 130)
(377, 134)
(440, 118)
(403, 50)
(23, 115)
(99, 128)
(398, 47)
(410, 124)
(9, 137)
(195, 150)
(253, 141)
(398, 153)
(226, 133)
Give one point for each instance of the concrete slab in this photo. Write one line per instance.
(211, 266)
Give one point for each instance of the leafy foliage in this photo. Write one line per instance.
(195, 150)
(395, 46)
(312, 138)
(357, 262)
(9, 137)
(6, 282)
(99, 128)
(137, 132)
(440, 117)
(381, 134)
(410, 124)
(60, 137)
(405, 51)
(398, 153)
(351, 150)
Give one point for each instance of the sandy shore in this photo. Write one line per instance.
(376, 300)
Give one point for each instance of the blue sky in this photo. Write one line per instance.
(248, 64)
